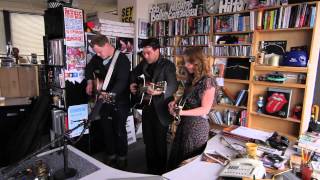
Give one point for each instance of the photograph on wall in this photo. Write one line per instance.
(143, 28)
(112, 41)
(125, 45)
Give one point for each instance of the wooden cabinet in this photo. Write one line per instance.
(19, 81)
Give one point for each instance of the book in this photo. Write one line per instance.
(239, 97)
(278, 102)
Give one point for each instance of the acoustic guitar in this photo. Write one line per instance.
(100, 99)
(142, 97)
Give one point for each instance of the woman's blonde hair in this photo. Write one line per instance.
(201, 63)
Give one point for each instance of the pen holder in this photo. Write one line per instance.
(251, 150)
(306, 172)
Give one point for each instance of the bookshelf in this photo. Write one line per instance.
(296, 31)
(291, 23)
(295, 34)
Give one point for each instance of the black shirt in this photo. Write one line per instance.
(119, 82)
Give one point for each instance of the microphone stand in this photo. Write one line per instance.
(63, 173)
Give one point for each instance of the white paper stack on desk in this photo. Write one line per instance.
(310, 141)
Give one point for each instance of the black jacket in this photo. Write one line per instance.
(164, 70)
(119, 82)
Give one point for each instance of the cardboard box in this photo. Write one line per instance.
(28, 81)
(9, 82)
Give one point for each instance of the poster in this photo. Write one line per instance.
(76, 57)
(125, 45)
(127, 14)
(75, 45)
(73, 25)
(76, 115)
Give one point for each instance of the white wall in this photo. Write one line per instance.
(2, 35)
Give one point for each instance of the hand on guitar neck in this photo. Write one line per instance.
(144, 91)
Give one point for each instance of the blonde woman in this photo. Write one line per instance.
(199, 95)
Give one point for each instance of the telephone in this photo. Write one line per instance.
(244, 167)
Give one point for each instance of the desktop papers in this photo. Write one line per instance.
(252, 133)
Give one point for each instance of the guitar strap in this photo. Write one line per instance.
(110, 70)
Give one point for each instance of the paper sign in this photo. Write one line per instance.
(76, 115)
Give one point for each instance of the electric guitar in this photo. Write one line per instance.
(142, 97)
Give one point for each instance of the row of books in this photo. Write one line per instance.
(241, 50)
(167, 41)
(182, 26)
(194, 40)
(302, 15)
(228, 117)
(235, 22)
(167, 51)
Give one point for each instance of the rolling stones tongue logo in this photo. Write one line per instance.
(276, 102)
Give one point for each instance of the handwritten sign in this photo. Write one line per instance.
(127, 14)
(73, 25)
(177, 9)
(227, 6)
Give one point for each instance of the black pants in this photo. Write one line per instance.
(154, 135)
(113, 124)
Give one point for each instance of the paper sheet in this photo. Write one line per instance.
(252, 133)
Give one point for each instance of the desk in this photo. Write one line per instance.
(103, 172)
(201, 170)
(88, 168)
(15, 102)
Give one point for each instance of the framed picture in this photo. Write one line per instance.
(278, 102)
(143, 28)
(112, 41)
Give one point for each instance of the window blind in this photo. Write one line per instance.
(27, 33)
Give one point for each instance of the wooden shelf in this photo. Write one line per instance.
(237, 81)
(234, 32)
(281, 68)
(285, 29)
(289, 85)
(241, 57)
(274, 117)
(240, 44)
(231, 106)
